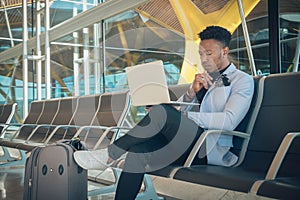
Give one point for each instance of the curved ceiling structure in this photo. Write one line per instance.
(186, 18)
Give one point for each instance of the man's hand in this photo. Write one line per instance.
(202, 80)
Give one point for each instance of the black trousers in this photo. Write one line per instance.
(164, 136)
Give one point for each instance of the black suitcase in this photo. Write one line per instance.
(51, 173)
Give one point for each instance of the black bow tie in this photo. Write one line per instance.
(225, 80)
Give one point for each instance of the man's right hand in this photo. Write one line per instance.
(202, 80)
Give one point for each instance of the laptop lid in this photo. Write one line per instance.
(147, 84)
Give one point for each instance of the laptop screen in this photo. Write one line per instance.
(147, 84)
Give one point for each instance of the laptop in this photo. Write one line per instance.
(148, 85)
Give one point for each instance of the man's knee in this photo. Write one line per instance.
(135, 162)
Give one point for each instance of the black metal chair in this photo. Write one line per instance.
(278, 115)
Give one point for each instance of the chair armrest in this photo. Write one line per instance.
(202, 138)
(15, 135)
(280, 154)
(88, 128)
(5, 127)
(4, 124)
(16, 124)
(277, 160)
(106, 131)
(57, 128)
(37, 128)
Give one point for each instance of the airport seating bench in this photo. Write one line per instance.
(53, 120)
(269, 149)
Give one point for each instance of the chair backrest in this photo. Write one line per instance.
(63, 116)
(246, 125)
(112, 109)
(278, 115)
(35, 111)
(112, 112)
(84, 115)
(66, 110)
(46, 117)
(86, 110)
(7, 113)
(49, 111)
(83, 111)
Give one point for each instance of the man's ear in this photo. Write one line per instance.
(225, 51)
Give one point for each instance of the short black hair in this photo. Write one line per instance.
(216, 32)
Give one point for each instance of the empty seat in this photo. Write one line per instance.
(281, 188)
(46, 117)
(86, 109)
(36, 109)
(66, 110)
(110, 116)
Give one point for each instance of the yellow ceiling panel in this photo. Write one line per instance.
(193, 21)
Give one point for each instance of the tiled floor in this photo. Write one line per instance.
(11, 185)
(12, 178)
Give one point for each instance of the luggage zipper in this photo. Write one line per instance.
(34, 163)
(30, 182)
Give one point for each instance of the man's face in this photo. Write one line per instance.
(213, 55)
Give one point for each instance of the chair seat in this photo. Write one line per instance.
(164, 172)
(28, 146)
(10, 142)
(281, 188)
(237, 179)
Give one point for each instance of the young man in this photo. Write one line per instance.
(166, 134)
